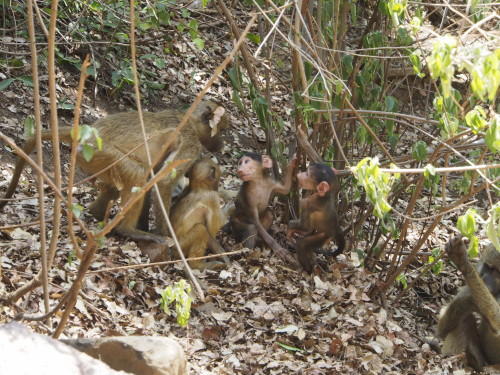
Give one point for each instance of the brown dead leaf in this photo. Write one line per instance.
(335, 347)
(212, 333)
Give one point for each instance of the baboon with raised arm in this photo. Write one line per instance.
(252, 218)
(457, 324)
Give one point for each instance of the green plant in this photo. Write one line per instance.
(85, 134)
(492, 225)
(180, 295)
(436, 268)
(377, 184)
(401, 279)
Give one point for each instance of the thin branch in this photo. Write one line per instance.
(163, 263)
(56, 227)
(39, 155)
(74, 149)
(440, 170)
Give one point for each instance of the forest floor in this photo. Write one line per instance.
(260, 316)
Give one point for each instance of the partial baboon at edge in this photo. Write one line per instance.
(457, 324)
(197, 217)
(120, 134)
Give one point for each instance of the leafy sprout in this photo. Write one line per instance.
(180, 294)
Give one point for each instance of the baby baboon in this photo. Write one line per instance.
(120, 134)
(196, 216)
(457, 324)
(318, 223)
(252, 217)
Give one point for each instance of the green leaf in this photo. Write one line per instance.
(159, 63)
(144, 26)
(71, 257)
(98, 140)
(179, 294)
(419, 151)
(155, 85)
(402, 280)
(288, 347)
(346, 61)
(254, 38)
(26, 80)
(391, 104)
(393, 140)
(436, 268)
(476, 119)
(440, 62)
(485, 72)
(416, 24)
(77, 209)
(200, 43)
(376, 184)
(148, 56)
(128, 75)
(492, 135)
(88, 152)
(235, 79)
(466, 223)
(5, 83)
(416, 62)
(473, 249)
(11, 63)
(64, 104)
(193, 28)
(362, 135)
(29, 127)
(237, 100)
(493, 225)
(261, 107)
(85, 132)
(429, 171)
(91, 71)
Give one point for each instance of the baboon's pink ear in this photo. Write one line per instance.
(322, 188)
(267, 162)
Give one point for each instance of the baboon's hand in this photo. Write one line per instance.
(457, 252)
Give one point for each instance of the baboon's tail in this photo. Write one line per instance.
(29, 145)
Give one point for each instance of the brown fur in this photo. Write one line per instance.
(318, 223)
(457, 324)
(196, 216)
(252, 217)
(121, 133)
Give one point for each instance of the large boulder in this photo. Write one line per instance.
(26, 353)
(140, 355)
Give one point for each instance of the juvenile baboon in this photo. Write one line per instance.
(120, 134)
(318, 223)
(457, 324)
(197, 216)
(252, 217)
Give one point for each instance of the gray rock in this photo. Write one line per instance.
(25, 353)
(140, 355)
